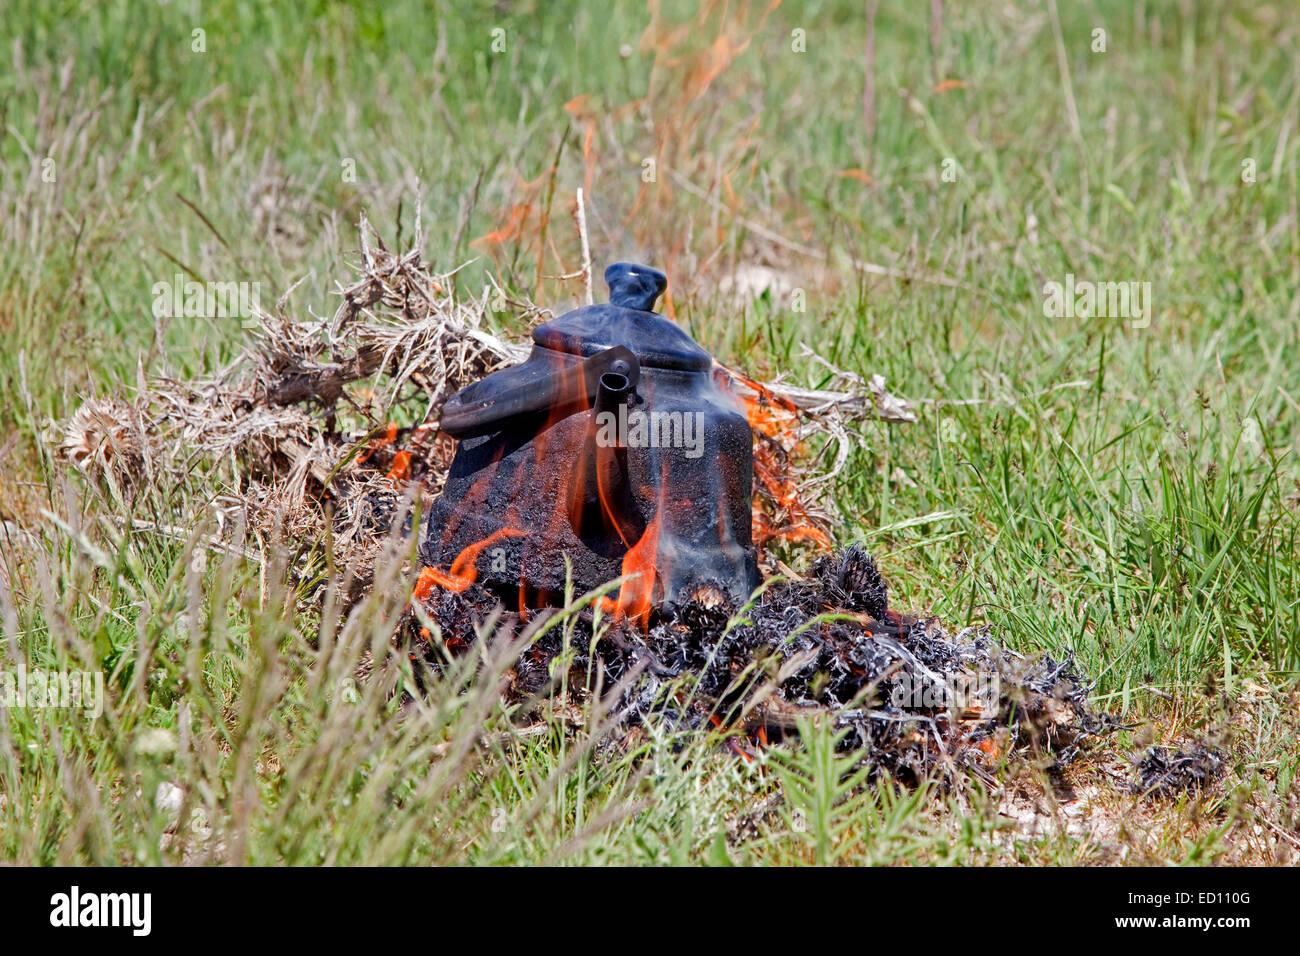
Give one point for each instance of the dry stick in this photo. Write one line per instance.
(322, 381)
(467, 205)
(1072, 109)
(936, 40)
(214, 542)
(546, 214)
(1063, 64)
(206, 221)
(1278, 830)
(1013, 400)
(869, 85)
(871, 268)
(872, 401)
(580, 214)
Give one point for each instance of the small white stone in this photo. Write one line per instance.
(168, 796)
(156, 741)
(168, 799)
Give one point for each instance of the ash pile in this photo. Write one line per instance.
(915, 701)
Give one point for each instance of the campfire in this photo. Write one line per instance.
(552, 494)
(614, 477)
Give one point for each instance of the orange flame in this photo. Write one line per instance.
(464, 570)
(774, 420)
(636, 595)
(401, 469)
(387, 438)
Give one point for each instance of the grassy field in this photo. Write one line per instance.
(1123, 486)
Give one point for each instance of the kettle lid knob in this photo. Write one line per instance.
(633, 286)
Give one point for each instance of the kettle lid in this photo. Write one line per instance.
(629, 320)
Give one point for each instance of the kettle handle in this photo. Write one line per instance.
(535, 391)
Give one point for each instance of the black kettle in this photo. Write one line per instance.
(612, 450)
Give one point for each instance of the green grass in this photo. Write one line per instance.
(1130, 493)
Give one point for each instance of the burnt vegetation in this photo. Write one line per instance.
(912, 699)
(1166, 773)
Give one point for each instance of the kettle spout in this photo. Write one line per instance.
(612, 393)
(600, 502)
